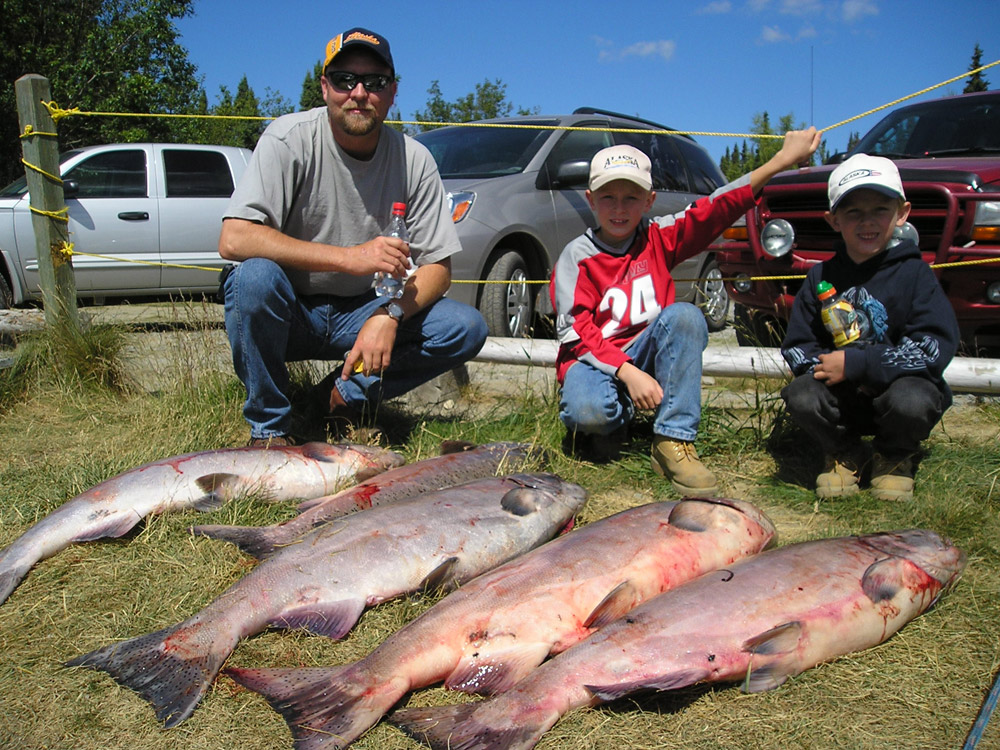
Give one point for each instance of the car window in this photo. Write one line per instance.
(704, 173)
(667, 165)
(113, 174)
(483, 151)
(197, 174)
(936, 128)
(579, 145)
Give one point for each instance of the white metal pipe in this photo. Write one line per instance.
(964, 374)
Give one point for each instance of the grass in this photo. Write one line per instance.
(65, 429)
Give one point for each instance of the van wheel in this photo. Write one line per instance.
(6, 295)
(507, 302)
(756, 328)
(711, 296)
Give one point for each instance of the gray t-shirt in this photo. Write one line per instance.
(302, 183)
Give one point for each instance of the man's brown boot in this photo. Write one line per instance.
(839, 477)
(892, 478)
(678, 461)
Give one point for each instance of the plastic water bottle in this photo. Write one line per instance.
(838, 315)
(387, 285)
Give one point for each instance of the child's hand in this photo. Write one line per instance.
(830, 368)
(643, 389)
(797, 147)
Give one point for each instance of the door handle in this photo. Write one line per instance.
(133, 216)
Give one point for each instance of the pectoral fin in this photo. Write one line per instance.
(218, 488)
(441, 577)
(671, 681)
(620, 600)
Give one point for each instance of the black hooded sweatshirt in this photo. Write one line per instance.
(908, 326)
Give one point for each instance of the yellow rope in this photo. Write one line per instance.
(30, 132)
(57, 113)
(61, 215)
(62, 252)
(146, 262)
(29, 165)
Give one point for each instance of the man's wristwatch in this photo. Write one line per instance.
(395, 311)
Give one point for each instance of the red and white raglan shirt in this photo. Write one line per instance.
(605, 296)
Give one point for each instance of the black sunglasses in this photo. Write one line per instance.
(343, 81)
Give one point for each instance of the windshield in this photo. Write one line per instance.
(947, 126)
(484, 151)
(20, 186)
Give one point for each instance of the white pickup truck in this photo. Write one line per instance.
(149, 202)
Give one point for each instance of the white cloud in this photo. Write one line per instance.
(854, 10)
(716, 8)
(758, 5)
(664, 48)
(607, 49)
(801, 7)
(807, 32)
(772, 34)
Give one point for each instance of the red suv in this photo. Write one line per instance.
(948, 154)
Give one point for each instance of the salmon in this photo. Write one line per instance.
(759, 622)
(203, 481)
(324, 583)
(460, 462)
(497, 628)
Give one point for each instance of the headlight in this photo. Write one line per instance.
(461, 204)
(742, 283)
(905, 232)
(987, 222)
(777, 237)
(993, 292)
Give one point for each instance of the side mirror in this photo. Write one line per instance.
(71, 188)
(572, 174)
(837, 158)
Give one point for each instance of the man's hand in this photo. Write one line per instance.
(643, 389)
(830, 368)
(388, 254)
(373, 347)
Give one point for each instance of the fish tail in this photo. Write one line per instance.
(173, 684)
(254, 540)
(326, 707)
(10, 579)
(456, 727)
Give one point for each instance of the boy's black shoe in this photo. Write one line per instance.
(598, 449)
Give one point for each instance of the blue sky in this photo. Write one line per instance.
(706, 65)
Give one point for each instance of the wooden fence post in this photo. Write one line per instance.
(42, 151)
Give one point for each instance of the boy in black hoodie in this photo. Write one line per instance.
(888, 382)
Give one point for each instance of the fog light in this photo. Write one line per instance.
(993, 292)
(742, 283)
(905, 232)
(777, 237)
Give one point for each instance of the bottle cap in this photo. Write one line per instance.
(825, 290)
(399, 208)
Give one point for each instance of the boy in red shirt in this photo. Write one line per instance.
(624, 343)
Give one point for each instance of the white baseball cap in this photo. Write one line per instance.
(864, 171)
(620, 163)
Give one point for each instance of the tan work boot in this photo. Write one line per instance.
(677, 461)
(839, 477)
(892, 478)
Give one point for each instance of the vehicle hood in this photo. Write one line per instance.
(973, 171)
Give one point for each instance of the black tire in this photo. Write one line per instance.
(755, 328)
(509, 306)
(6, 295)
(711, 296)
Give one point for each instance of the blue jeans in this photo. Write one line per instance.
(669, 349)
(269, 325)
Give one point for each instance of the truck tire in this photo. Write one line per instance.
(508, 301)
(711, 296)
